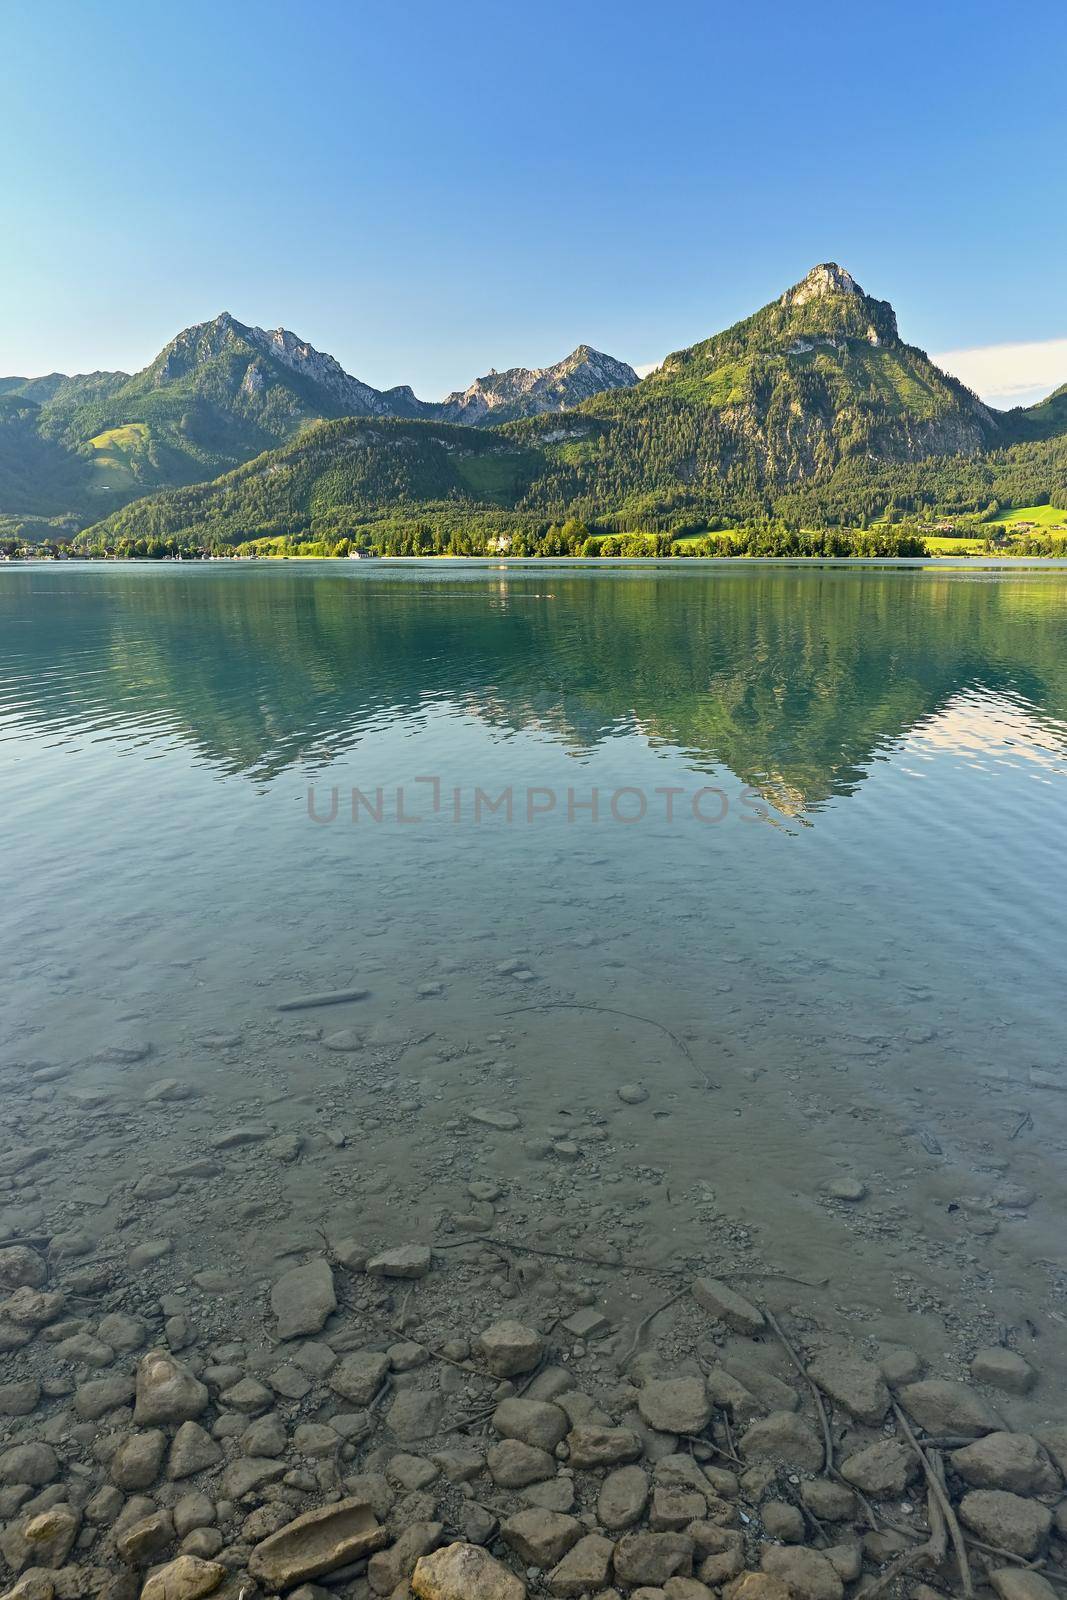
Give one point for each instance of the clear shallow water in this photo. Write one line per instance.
(835, 948)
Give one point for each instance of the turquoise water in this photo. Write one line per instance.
(835, 947)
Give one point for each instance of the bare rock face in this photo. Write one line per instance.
(318, 1542)
(528, 392)
(303, 1298)
(465, 1572)
(167, 1391)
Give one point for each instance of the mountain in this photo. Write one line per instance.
(522, 392)
(217, 395)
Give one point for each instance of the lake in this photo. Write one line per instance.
(778, 851)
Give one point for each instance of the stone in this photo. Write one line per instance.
(1003, 1369)
(251, 1472)
(185, 1578)
(857, 1386)
(783, 1436)
(411, 1472)
(21, 1266)
(33, 1585)
(96, 1398)
(686, 1589)
(389, 1568)
(136, 1462)
(653, 1557)
(192, 1450)
(851, 1190)
(939, 1406)
(883, 1469)
(303, 1298)
(464, 1572)
(827, 1500)
(675, 1405)
(36, 1464)
(730, 1394)
(20, 1398)
(166, 1390)
(541, 1538)
(415, 1414)
(769, 1390)
(1013, 1461)
(193, 1510)
(509, 1348)
(552, 1494)
(1015, 1583)
(143, 1540)
(1006, 1520)
(318, 1542)
(234, 1138)
(901, 1366)
(757, 1586)
(502, 1121)
(33, 1308)
(46, 1539)
(674, 1508)
(358, 1377)
(782, 1521)
(846, 1560)
(583, 1569)
(533, 1422)
(405, 1261)
(248, 1396)
(632, 1094)
(513, 1465)
(622, 1499)
(586, 1323)
(728, 1306)
(267, 1437)
(591, 1447)
(122, 1332)
(808, 1574)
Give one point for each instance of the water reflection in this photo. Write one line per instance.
(796, 681)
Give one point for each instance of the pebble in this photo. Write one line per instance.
(510, 1349)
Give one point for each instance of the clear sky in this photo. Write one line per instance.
(428, 190)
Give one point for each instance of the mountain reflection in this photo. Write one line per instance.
(794, 679)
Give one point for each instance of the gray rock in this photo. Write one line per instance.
(591, 1447)
(940, 1406)
(1013, 1461)
(534, 1422)
(728, 1306)
(20, 1398)
(1003, 1369)
(675, 1405)
(359, 1376)
(145, 1539)
(782, 1521)
(36, 1464)
(20, 1265)
(303, 1299)
(783, 1436)
(316, 1543)
(513, 1465)
(583, 1570)
(808, 1573)
(652, 1558)
(122, 1332)
(857, 1386)
(136, 1462)
(166, 1390)
(541, 1538)
(192, 1450)
(405, 1261)
(1007, 1520)
(623, 1497)
(1015, 1583)
(509, 1348)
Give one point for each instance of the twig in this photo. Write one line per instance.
(611, 1011)
(624, 1266)
(934, 1480)
(643, 1325)
(828, 1440)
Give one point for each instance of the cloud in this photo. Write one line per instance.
(643, 368)
(1010, 374)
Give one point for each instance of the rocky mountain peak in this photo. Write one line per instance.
(531, 391)
(825, 279)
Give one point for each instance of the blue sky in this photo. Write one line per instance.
(430, 190)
